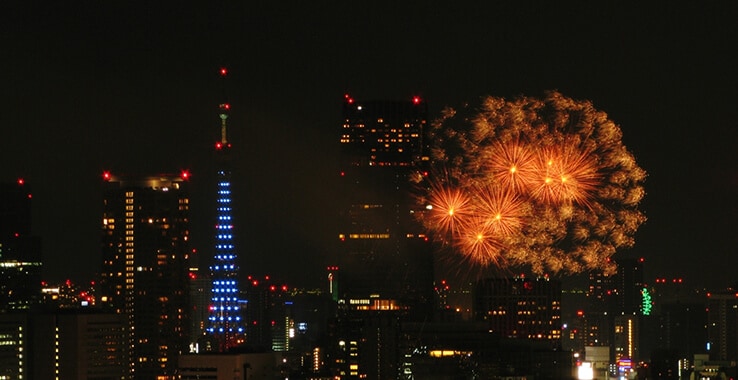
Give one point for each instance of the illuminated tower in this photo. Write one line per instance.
(225, 315)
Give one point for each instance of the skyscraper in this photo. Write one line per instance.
(384, 252)
(20, 250)
(145, 249)
(384, 257)
(225, 323)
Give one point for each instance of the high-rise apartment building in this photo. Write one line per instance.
(20, 250)
(384, 253)
(146, 253)
(225, 320)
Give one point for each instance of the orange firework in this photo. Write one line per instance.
(478, 243)
(511, 165)
(543, 182)
(545, 188)
(448, 207)
(576, 175)
(501, 210)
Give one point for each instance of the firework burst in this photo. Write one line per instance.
(544, 183)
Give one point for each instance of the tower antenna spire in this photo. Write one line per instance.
(224, 108)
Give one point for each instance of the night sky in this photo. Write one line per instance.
(133, 87)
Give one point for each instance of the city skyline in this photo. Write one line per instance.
(134, 89)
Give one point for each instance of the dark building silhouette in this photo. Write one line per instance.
(628, 286)
(145, 250)
(20, 250)
(678, 325)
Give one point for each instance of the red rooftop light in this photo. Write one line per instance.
(223, 71)
(106, 176)
(21, 181)
(416, 99)
(185, 175)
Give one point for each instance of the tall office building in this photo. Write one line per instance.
(225, 320)
(145, 249)
(20, 250)
(384, 252)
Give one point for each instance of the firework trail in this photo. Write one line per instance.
(539, 182)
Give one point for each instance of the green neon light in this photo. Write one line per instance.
(646, 302)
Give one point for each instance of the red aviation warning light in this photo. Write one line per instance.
(416, 100)
(223, 71)
(348, 98)
(21, 181)
(106, 175)
(185, 175)
(225, 107)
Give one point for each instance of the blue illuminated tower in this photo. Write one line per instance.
(225, 311)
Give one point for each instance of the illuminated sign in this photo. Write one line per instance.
(625, 365)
